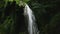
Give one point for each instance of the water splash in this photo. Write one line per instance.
(32, 27)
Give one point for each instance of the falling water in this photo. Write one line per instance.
(32, 27)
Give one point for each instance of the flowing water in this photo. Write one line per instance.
(32, 27)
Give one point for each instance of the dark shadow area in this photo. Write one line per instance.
(18, 17)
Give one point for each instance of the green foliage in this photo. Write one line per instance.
(3, 3)
(47, 15)
(6, 26)
(21, 2)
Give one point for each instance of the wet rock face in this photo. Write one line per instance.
(20, 23)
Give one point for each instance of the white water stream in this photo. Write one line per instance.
(32, 27)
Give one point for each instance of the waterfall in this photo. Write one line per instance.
(32, 27)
